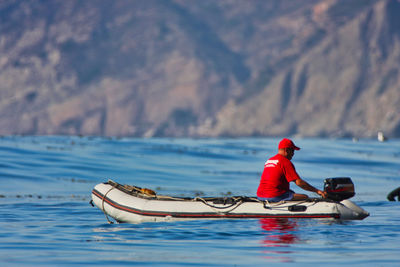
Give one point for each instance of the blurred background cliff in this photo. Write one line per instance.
(193, 68)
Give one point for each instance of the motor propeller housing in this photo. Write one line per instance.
(339, 188)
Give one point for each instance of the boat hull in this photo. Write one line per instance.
(134, 208)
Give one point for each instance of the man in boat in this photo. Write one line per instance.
(278, 172)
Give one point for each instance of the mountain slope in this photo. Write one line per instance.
(200, 68)
(345, 85)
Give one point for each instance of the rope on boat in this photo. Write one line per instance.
(102, 205)
(237, 201)
(278, 205)
(236, 204)
(160, 197)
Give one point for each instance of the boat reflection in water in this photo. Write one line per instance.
(279, 231)
(279, 234)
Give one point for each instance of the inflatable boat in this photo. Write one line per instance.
(132, 204)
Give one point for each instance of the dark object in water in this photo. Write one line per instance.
(339, 188)
(393, 194)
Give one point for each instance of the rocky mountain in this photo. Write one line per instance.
(200, 68)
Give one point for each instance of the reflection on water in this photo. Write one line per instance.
(279, 231)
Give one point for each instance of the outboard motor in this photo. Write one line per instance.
(339, 188)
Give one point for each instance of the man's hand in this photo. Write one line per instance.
(323, 194)
(306, 186)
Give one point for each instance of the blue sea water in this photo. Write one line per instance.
(46, 219)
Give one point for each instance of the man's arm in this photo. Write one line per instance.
(306, 186)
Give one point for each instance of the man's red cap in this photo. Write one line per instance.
(287, 143)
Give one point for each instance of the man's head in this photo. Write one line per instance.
(286, 148)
